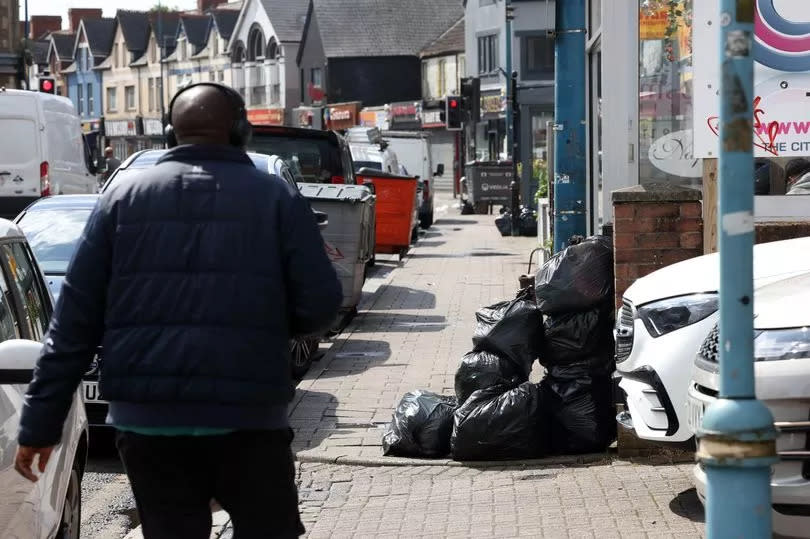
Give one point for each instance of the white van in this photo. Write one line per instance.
(43, 152)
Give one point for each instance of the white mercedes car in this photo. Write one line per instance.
(782, 371)
(663, 321)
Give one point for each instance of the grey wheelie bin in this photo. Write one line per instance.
(349, 236)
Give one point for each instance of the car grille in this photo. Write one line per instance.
(624, 331)
(710, 349)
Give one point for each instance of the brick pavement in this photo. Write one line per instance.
(409, 334)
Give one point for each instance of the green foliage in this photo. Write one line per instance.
(540, 175)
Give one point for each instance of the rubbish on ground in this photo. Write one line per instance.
(573, 337)
(511, 330)
(482, 370)
(581, 413)
(576, 279)
(421, 426)
(527, 222)
(500, 423)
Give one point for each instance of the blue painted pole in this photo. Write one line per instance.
(737, 438)
(569, 116)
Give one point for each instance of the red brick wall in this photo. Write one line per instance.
(650, 235)
(44, 24)
(779, 230)
(75, 15)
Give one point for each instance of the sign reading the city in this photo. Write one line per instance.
(781, 99)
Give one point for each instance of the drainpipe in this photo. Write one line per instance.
(510, 127)
(737, 440)
(569, 129)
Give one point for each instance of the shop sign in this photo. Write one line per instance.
(493, 104)
(432, 118)
(90, 126)
(343, 116)
(781, 122)
(653, 24)
(274, 116)
(152, 127)
(375, 118)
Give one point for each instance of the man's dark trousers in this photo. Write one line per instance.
(250, 474)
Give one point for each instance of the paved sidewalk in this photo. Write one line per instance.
(410, 334)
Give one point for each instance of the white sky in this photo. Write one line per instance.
(60, 7)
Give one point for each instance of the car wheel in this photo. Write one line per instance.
(426, 220)
(72, 511)
(301, 352)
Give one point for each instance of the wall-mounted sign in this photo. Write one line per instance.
(781, 49)
(407, 115)
(493, 104)
(152, 127)
(120, 128)
(375, 117)
(274, 116)
(343, 116)
(432, 118)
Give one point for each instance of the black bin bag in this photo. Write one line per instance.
(482, 370)
(500, 424)
(421, 427)
(572, 337)
(581, 411)
(578, 278)
(511, 330)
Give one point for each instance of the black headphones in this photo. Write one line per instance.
(241, 131)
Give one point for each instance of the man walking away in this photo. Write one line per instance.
(111, 163)
(193, 276)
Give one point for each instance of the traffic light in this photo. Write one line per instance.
(47, 85)
(471, 98)
(452, 114)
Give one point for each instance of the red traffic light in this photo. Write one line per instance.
(46, 85)
(453, 103)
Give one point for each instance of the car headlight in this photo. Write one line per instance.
(665, 316)
(776, 344)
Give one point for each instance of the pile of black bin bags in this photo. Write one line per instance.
(566, 322)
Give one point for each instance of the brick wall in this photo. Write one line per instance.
(654, 226)
(781, 230)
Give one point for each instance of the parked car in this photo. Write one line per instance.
(664, 318)
(413, 151)
(43, 153)
(315, 156)
(782, 372)
(50, 507)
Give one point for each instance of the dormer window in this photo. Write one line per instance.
(256, 46)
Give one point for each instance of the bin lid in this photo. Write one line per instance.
(375, 173)
(330, 191)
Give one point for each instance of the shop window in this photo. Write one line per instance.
(487, 54)
(91, 105)
(665, 94)
(317, 77)
(537, 57)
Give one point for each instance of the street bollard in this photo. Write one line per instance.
(737, 440)
(515, 189)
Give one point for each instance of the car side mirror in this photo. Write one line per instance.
(17, 360)
(440, 169)
(322, 219)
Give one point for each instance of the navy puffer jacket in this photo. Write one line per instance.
(193, 275)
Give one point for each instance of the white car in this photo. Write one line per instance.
(782, 373)
(664, 318)
(50, 507)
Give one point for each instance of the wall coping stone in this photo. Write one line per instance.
(657, 192)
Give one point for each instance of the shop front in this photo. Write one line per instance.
(153, 137)
(490, 133)
(406, 116)
(342, 116)
(122, 137)
(378, 117)
(445, 148)
(268, 116)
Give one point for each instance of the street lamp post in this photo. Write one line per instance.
(737, 438)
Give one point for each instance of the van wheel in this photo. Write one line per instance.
(301, 352)
(426, 221)
(72, 511)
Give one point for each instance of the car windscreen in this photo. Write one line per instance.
(367, 164)
(314, 160)
(53, 235)
(147, 159)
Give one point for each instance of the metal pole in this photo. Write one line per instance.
(509, 112)
(161, 46)
(737, 438)
(25, 47)
(515, 185)
(569, 129)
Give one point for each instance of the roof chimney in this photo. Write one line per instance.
(77, 14)
(205, 5)
(44, 24)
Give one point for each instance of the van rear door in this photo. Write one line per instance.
(21, 150)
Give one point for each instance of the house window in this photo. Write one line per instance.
(221, 76)
(487, 53)
(211, 76)
(115, 55)
(537, 58)
(152, 89)
(153, 52)
(129, 97)
(256, 46)
(112, 99)
(316, 75)
(181, 49)
(91, 106)
(215, 45)
(88, 59)
(80, 98)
